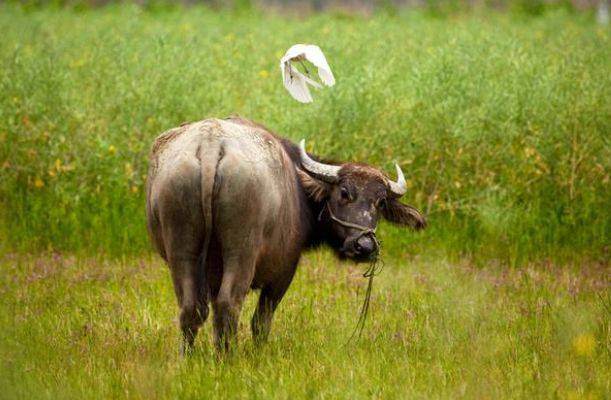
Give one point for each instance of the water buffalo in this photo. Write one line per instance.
(231, 206)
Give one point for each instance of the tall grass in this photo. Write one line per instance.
(502, 123)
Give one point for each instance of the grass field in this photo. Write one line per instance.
(500, 121)
(84, 328)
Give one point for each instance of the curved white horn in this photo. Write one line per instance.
(399, 187)
(325, 172)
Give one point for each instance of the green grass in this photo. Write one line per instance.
(84, 328)
(501, 122)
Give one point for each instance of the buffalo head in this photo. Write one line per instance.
(354, 197)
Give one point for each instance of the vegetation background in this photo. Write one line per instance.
(500, 117)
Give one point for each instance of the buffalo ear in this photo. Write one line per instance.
(403, 214)
(316, 189)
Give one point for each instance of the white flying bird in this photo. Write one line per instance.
(296, 82)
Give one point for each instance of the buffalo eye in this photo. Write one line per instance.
(381, 202)
(344, 193)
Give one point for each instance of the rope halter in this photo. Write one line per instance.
(364, 230)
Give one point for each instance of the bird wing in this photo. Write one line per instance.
(294, 51)
(314, 55)
(306, 78)
(297, 85)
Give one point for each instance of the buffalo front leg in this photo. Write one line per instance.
(262, 318)
(270, 297)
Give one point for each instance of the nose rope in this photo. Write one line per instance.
(374, 269)
(362, 228)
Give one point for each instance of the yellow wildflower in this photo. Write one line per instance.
(584, 344)
(38, 183)
(134, 189)
(263, 74)
(112, 149)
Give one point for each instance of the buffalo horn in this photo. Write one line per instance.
(325, 172)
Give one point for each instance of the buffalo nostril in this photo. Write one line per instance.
(365, 245)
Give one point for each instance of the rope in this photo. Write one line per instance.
(375, 267)
(362, 228)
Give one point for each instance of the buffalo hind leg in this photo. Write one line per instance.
(238, 272)
(191, 300)
(178, 209)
